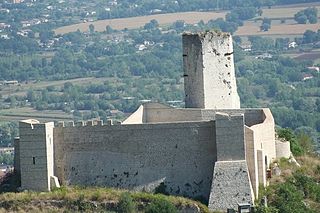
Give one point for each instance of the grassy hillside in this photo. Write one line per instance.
(78, 199)
(294, 188)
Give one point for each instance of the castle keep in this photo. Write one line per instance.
(211, 149)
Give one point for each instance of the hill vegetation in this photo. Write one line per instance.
(294, 188)
(94, 199)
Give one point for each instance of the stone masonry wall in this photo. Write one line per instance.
(16, 163)
(230, 185)
(160, 113)
(264, 136)
(193, 71)
(36, 155)
(139, 157)
(209, 73)
(230, 137)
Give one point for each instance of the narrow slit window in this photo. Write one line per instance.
(34, 160)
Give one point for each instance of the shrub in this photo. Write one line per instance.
(126, 203)
(295, 147)
(264, 209)
(97, 196)
(161, 189)
(80, 204)
(288, 198)
(161, 205)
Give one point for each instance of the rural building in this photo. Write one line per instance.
(212, 149)
(292, 44)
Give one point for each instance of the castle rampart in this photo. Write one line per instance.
(181, 155)
(211, 149)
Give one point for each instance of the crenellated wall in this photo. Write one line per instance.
(141, 156)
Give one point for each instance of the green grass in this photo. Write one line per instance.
(85, 199)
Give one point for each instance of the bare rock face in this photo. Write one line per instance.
(209, 75)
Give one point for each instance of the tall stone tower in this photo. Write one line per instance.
(209, 76)
(36, 155)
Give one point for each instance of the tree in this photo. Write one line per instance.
(265, 27)
(301, 19)
(305, 142)
(309, 37)
(237, 39)
(151, 25)
(281, 43)
(91, 28)
(309, 14)
(313, 19)
(109, 29)
(46, 35)
(318, 125)
(261, 43)
(179, 25)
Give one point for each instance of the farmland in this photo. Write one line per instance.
(22, 88)
(253, 28)
(250, 27)
(16, 114)
(136, 22)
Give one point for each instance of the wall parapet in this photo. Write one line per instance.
(89, 123)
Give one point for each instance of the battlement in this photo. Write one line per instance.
(89, 123)
(31, 126)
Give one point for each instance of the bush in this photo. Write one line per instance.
(295, 146)
(161, 205)
(126, 203)
(288, 198)
(161, 189)
(264, 209)
(80, 204)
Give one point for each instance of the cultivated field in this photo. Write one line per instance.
(250, 27)
(22, 88)
(253, 28)
(136, 22)
(309, 56)
(287, 11)
(17, 114)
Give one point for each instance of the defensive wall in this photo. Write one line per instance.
(181, 155)
(160, 113)
(211, 149)
(178, 156)
(259, 132)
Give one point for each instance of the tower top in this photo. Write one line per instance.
(209, 73)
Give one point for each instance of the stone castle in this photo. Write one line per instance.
(211, 149)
